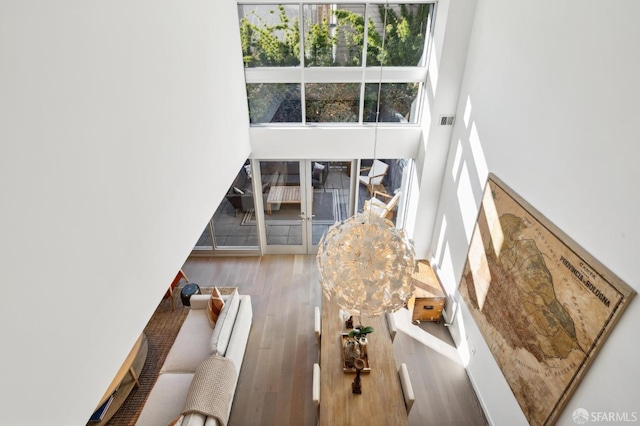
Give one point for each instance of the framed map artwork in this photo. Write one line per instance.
(543, 305)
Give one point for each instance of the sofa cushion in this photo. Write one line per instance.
(194, 419)
(224, 325)
(241, 329)
(166, 400)
(197, 419)
(191, 345)
(214, 306)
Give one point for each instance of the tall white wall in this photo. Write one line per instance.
(447, 56)
(549, 103)
(113, 118)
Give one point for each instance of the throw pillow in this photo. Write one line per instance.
(214, 306)
(224, 326)
(238, 190)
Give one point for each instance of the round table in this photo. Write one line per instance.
(187, 291)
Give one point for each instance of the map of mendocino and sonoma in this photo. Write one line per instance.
(542, 304)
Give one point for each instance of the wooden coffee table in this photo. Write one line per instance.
(283, 195)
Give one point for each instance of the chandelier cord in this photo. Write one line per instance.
(377, 123)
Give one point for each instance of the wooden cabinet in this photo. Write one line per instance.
(428, 300)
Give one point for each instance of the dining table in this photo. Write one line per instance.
(381, 401)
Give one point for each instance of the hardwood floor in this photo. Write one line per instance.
(275, 381)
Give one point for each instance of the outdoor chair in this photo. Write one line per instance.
(319, 175)
(379, 207)
(373, 179)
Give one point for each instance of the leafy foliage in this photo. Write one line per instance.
(278, 44)
(270, 45)
(274, 103)
(395, 101)
(332, 102)
(358, 332)
(319, 42)
(403, 36)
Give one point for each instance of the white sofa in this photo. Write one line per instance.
(192, 346)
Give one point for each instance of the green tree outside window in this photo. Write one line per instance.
(278, 44)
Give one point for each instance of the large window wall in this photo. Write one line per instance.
(335, 63)
(330, 192)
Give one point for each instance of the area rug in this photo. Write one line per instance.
(161, 332)
(326, 210)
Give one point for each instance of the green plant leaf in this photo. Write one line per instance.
(361, 332)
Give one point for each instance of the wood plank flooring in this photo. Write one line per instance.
(274, 387)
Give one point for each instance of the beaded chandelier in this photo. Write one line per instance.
(366, 265)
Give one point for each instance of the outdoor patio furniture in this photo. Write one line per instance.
(376, 174)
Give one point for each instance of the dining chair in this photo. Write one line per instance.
(317, 327)
(316, 387)
(407, 389)
(391, 324)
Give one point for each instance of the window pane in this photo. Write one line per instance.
(333, 37)
(397, 102)
(234, 220)
(274, 103)
(332, 102)
(405, 35)
(270, 35)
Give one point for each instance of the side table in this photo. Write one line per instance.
(187, 291)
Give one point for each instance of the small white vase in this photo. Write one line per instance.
(362, 341)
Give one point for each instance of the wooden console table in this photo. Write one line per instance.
(124, 381)
(381, 401)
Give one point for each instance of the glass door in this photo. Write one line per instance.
(300, 200)
(233, 227)
(330, 197)
(282, 212)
